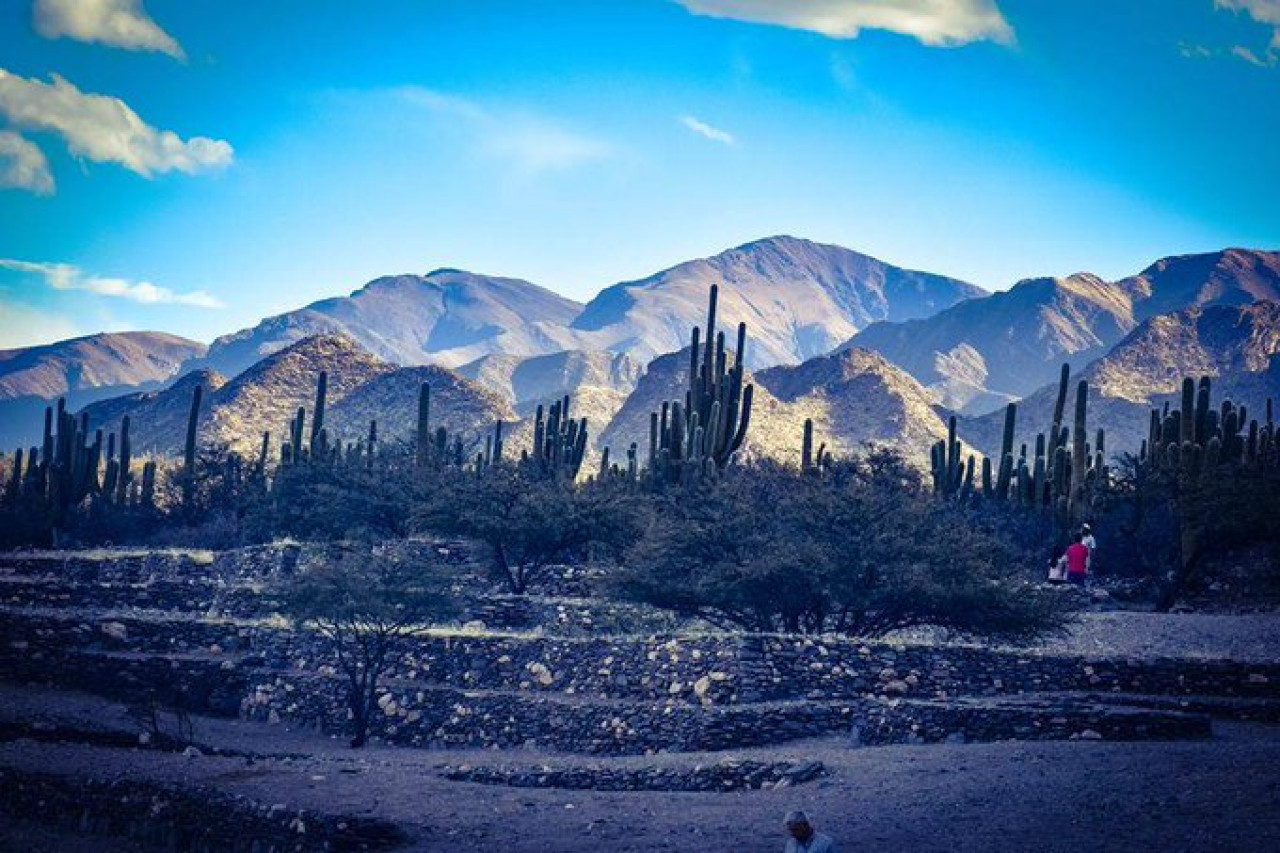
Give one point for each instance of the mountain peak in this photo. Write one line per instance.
(798, 298)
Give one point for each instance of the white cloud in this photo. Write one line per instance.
(701, 128)
(68, 277)
(104, 129)
(529, 143)
(943, 23)
(1244, 53)
(23, 166)
(118, 23)
(1264, 12)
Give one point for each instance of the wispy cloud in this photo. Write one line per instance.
(1244, 53)
(529, 143)
(701, 128)
(104, 129)
(1266, 12)
(68, 277)
(23, 165)
(939, 23)
(117, 23)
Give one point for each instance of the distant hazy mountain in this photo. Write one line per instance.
(1229, 277)
(526, 381)
(799, 299)
(599, 383)
(447, 317)
(82, 370)
(1238, 346)
(979, 354)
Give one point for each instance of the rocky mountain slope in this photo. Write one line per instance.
(457, 404)
(157, 419)
(599, 383)
(856, 398)
(82, 370)
(978, 355)
(446, 317)
(799, 298)
(1239, 346)
(775, 430)
(267, 396)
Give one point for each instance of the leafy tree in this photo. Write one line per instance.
(861, 550)
(529, 521)
(361, 602)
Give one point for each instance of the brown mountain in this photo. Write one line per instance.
(1238, 346)
(856, 398)
(82, 370)
(447, 317)
(982, 353)
(458, 404)
(774, 432)
(157, 419)
(799, 298)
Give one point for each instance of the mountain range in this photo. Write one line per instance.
(984, 352)
(869, 351)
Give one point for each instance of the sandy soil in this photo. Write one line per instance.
(1218, 794)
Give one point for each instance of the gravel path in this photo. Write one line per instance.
(1249, 637)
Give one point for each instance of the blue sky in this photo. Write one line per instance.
(194, 165)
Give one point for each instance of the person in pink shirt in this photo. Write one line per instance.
(1077, 561)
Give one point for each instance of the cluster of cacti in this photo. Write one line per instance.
(1060, 475)
(559, 441)
(435, 449)
(700, 435)
(1197, 439)
(68, 468)
(316, 447)
(612, 470)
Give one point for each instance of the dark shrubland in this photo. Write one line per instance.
(861, 550)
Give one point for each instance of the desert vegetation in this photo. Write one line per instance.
(862, 544)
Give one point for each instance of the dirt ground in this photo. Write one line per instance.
(1218, 794)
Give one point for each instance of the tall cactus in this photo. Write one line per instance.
(702, 433)
(189, 450)
(318, 435)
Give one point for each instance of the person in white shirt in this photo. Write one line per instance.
(1086, 539)
(804, 838)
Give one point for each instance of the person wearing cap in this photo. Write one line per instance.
(804, 838)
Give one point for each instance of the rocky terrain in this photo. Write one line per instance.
(775, 431)
(632, 740)
(855, 399)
